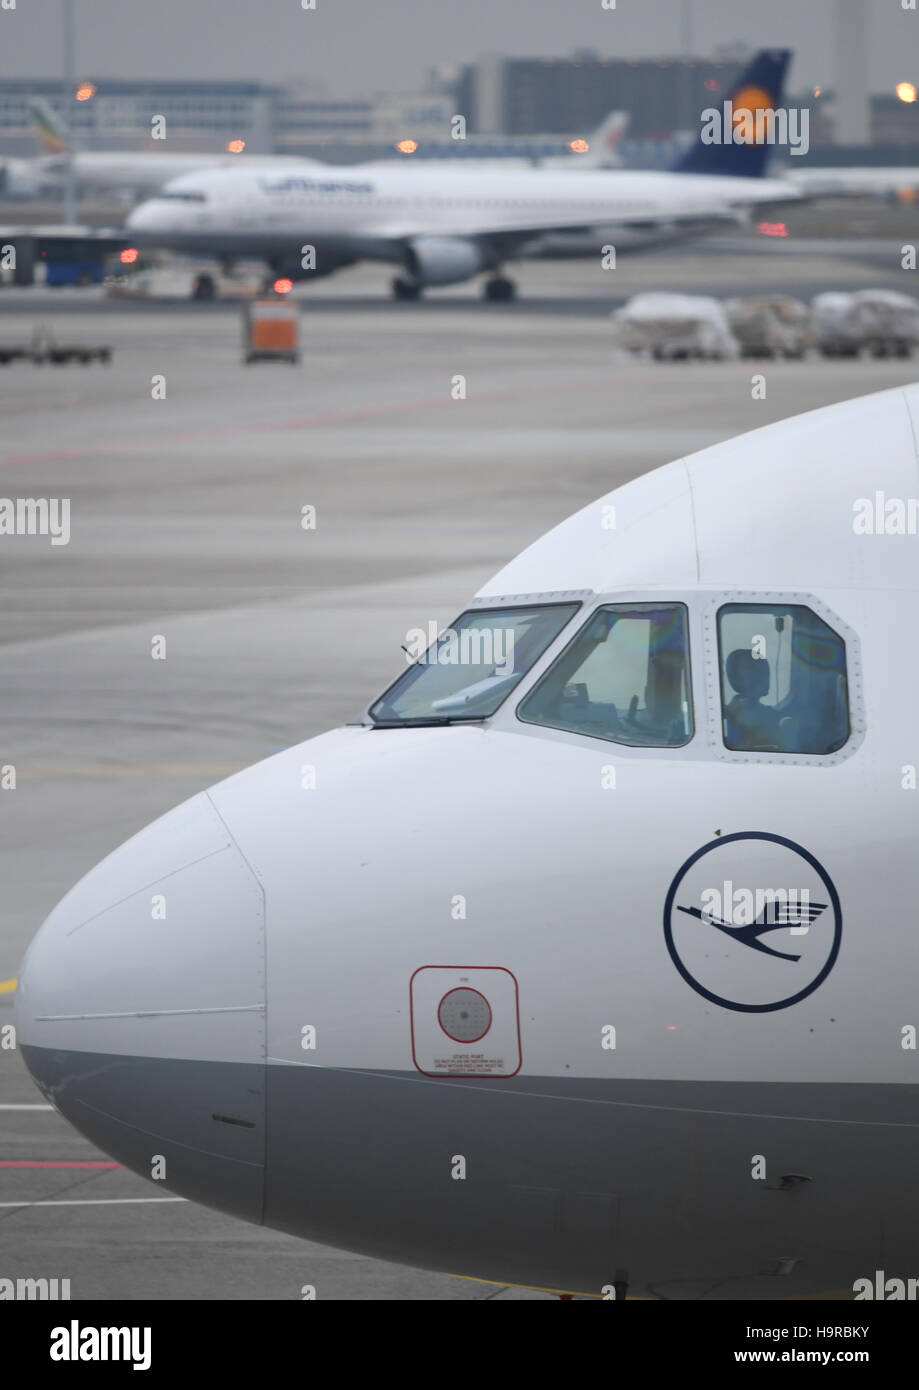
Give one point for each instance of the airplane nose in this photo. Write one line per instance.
(141, 1009)
(148, 217)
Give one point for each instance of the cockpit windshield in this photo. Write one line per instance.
(472, 666)
(624, 677)
(181, 195)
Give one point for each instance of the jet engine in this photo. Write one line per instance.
(443, 260)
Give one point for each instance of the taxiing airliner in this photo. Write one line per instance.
(442, 227)
(585, 958)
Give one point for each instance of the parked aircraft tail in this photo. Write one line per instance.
(50, 129)
(736, 131)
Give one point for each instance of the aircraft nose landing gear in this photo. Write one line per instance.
(205, 287)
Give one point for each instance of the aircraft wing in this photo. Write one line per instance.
(854, 183)
(523, 224)
(517, 228)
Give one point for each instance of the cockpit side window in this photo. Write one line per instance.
(783, 680)
(473, 665)
(624, 677)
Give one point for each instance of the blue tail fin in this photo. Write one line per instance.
(758, 87)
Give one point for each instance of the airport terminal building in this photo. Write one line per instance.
(508, 104)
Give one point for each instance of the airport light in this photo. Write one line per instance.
(906, 91)
(578, 146)
(129, 255)
(407, 146)
(772, 228)
(85, 91)
(817, 91)
(236, 146)
(283, 286)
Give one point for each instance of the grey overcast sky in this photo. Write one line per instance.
(362, 46)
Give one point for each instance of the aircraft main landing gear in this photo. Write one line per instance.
(500, 290)
(405, 289)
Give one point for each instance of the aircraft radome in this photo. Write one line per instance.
(586, 957)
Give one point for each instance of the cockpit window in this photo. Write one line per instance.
(183, 196)
(783, 680)
(625, 678)
(472, 666)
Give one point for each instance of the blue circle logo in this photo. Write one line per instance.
(752, 922)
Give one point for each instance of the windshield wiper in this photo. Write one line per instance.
(424, 721)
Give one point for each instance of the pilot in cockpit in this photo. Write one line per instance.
(749, 724)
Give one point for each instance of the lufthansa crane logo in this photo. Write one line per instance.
(750, 104)
(752, 922)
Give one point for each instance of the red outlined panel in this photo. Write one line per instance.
(465, 1020)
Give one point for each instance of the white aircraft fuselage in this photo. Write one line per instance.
(444, 225)
(532, 997)
(146, 172)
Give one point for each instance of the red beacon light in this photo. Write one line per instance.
(772, 228)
